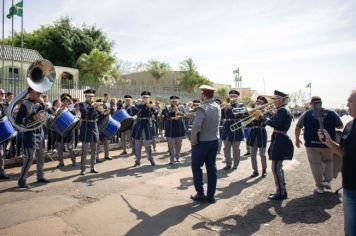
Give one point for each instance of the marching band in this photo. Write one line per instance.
(98, 122)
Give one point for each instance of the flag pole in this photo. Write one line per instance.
(310, 90)
(21, 72)
(12, 50)
(3, 43)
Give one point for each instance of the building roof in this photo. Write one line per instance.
(29, 55)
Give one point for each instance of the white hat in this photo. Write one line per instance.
(207, 88)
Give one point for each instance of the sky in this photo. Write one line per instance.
(277, 44)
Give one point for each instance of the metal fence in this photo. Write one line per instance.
(76, 89)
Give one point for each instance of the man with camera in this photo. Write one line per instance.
(319, 155)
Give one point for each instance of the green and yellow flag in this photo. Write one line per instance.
(15, 10)
(308, 85)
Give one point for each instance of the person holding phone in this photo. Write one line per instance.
(319, 155)
(347, 151)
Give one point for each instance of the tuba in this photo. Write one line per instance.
(40, 77)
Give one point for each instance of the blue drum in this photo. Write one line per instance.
(247, 132)
(64, 123)
(7, 131)
(124, 118)
(108, 126)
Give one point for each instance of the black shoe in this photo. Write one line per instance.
(93, 170)
(264, 173)
(137, 164)
(210, 199)
(234, 167)
(152, 163)
(198, 198)
(98, 161)
(123, 153)
(60, 165)
(254, 174)
(177, 160)
(170, 163)
(247, 154)
(4, 176)
(227, 167)
(108, 158)
(43, 180)
(82, 172)
(277, 196)
(23, 184)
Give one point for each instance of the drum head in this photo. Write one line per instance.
(103, 122)
(126, 124)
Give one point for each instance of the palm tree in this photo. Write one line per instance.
(191, 79)
(157, 68)
(98, 66)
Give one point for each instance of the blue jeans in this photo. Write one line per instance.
(349, 212)
(205, 153)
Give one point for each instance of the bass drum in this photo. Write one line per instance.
(7, 131)
(108, 127)
(125, 120)
(64, 123)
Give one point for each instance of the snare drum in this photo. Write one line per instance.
(108, 126)
(7, 131)
(64, 123)
(124, 118)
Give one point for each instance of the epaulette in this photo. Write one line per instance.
(200, 106)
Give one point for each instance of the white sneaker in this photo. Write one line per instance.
(327, 185)
(318, 190)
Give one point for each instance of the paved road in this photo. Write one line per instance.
(155, 200)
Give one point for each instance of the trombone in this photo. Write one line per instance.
(265, 108)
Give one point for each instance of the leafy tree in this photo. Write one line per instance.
(157, 68)
(62, 43)
(191, 79)
(222, 92)
(98, 66)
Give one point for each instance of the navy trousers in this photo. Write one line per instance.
(205, 153)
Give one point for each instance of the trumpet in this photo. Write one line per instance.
(265, 108)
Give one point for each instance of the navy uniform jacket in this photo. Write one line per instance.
(88, 128)
(143, 127)
(31, 139)
(258, 134)
(281, 147)
(173, 128)
(131, 109)
(228, 119)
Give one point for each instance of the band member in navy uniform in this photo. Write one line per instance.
(33, 141)
(232, 139)
(103, 112)
(205, 142)
(52, 135)
(281, 147)
(68, 139)
(258, 141)
(89, 133)
(174, 128)
(3, 109)
(126, 135)
(143, 127)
